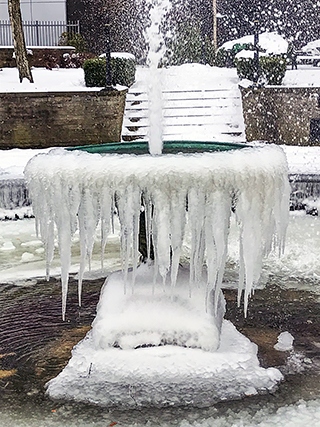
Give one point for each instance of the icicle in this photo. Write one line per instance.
(128, 203)
(49, 247)
(177, 225)
(135, 245)
(64, 238)
(161, 231)
(106, 206)
(241, 272)
(196, 215)
(148, 222)
(88, 216)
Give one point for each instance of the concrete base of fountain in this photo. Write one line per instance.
(131, 361)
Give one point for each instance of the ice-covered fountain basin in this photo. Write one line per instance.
(78, 189)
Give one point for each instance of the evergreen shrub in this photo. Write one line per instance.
(245, 67)
(73, 39)
(224, 58)
(227, 57)
(273, 69)
(188, 45)
(122, 71)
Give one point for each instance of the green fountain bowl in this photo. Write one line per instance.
(169, 147)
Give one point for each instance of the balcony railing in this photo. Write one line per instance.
(39, 33)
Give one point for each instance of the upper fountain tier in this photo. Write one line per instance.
(78, 190)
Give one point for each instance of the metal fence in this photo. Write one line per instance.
(39, 33)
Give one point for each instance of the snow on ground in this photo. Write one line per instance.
(44, 80)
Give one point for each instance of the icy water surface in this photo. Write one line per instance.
(35, 344)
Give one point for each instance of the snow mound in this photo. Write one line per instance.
(271, 42)
(155, 316)
(285, 342)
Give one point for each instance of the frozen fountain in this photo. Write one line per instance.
(159, 337)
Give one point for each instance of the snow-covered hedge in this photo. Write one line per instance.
(272, 68)
(123, 70)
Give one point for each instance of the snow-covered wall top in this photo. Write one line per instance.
(79, 190)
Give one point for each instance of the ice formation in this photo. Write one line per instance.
(13, 193)
(77, 190)
(151, 317)
(285, 342)
(160, 351)
(155, 39)
(164, 375)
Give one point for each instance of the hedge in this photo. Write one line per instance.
(122, 71)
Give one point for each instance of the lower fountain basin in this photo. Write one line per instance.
(188, 373)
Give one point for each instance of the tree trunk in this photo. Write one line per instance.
(18, 40)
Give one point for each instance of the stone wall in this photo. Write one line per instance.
(45, 119)
(41, 56)
(282, 115)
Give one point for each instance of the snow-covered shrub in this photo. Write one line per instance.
(227, 57)
(122, 71)
(245, 67)
(74, 60)
(273, 69)
(95, 72)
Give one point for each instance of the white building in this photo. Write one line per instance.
(37, 10)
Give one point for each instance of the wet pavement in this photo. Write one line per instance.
(35, 343)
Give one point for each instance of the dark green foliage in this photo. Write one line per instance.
(73, 39)
(245, 68)
(122, 72)
(94, 72)
(273, 69)
(225, 58)
(189, 46)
